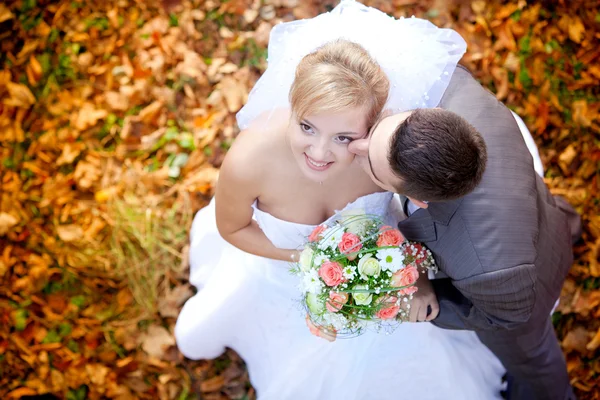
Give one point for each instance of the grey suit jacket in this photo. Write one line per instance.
(506, 247)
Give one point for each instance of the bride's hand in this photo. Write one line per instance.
(423, 299)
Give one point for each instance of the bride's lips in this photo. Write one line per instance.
(316, 165)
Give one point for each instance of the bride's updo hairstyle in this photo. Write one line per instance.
(337, 76)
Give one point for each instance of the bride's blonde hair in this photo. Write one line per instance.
(337, 76)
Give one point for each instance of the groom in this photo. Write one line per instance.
(501, 241)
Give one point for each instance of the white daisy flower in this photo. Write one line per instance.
(311, 283)
(319, 259)
(331, 238)
(349, 272)
(390, 259)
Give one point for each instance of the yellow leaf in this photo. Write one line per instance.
(7, 221)
(20, 95)
(566, 157)
(88, 116)
(69, 233)
(5, 13)
(576, 30)
(105, 195)
(69, 153)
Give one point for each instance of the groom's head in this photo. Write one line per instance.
(426, 154)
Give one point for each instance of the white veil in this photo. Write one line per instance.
(418, 57)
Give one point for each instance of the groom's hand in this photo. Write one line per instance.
(424, 306)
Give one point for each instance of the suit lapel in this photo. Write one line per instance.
(419, 227)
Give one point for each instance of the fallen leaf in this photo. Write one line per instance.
(576, 29)
(5, 13)
(20, 95)
(156, 341)
(576, 339)
(566, 157)
(69, 233)
(7, 221)
(170, 304)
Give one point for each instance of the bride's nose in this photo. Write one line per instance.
(319, 151)
(360, 147)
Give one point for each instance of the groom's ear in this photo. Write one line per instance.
(418, 203)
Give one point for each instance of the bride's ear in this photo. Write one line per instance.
(418, 203)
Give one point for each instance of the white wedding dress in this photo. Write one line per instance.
(251, 304)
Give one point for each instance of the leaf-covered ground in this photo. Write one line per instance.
(114, 118)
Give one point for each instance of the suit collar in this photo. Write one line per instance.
(443, 212)
(421, 225)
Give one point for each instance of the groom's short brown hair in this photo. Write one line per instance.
(437, 155)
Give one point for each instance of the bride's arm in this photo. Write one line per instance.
(239, 185)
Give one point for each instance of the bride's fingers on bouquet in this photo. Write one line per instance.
(422, 314)
(416, 312)
(433, 312)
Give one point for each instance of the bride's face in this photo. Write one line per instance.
(320, 142)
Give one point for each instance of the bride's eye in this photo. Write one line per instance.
(344, 139)
(306, 128)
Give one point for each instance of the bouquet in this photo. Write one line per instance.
(358, 273)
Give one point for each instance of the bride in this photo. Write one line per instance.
(288, 171)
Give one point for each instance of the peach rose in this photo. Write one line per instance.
(389, 237)
(336, 301)
(316, 233)
(349, 245)
(408, 291)
(405, 277)
(331, 272)
(391, 310)
(328, 334)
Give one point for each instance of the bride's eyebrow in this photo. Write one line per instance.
(307, 122)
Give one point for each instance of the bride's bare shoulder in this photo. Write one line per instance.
(257, 146)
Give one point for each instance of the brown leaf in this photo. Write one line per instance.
(595, 342)
(213, 384)
(576, 339)
(234, 93)
(156, 341)
(150, 112)
(170, 304)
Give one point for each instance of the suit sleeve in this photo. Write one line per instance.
(495, 300)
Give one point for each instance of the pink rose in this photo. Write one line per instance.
(336, 301)
(316, 233)
(405, 277)
(331, 273)
(349, 245)
(389, 237)
(389, 308)
(326, 333)
(408, 291)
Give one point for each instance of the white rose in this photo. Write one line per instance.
(315, 305)
(306, 259)
(368, 266)
(362, 299)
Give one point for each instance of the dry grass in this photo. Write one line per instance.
(146, 245)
